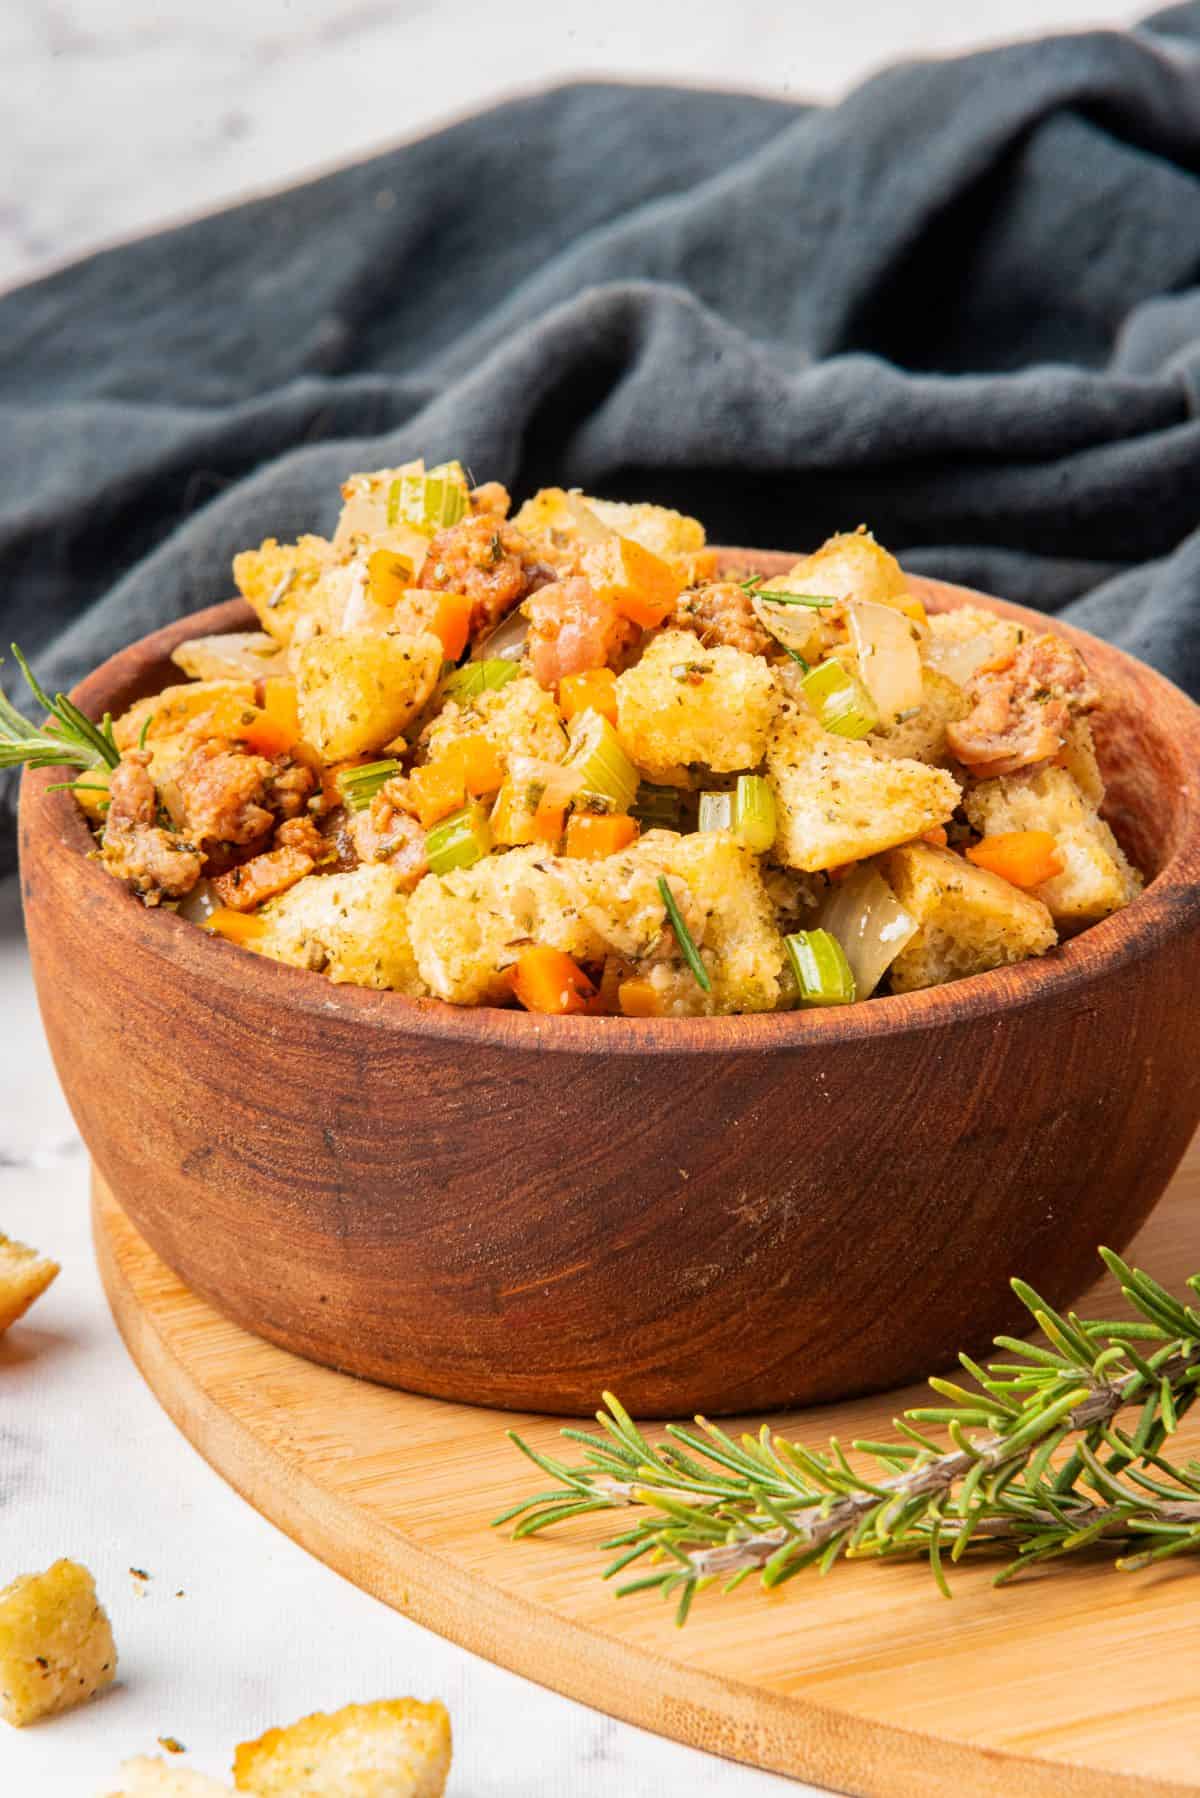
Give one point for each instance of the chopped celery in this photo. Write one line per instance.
(839, 699)
(358, 786)
(657, 808)
(459, 841)
(431, 501)
(716, 811)
(754, 812)
(596, 753)
(478, 677)
(683, 936)
(821, 969)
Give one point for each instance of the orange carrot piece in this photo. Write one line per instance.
(263, 735)
(548, 821)
(1023, 857)
(389, 575)
(545, 979)
(245, 888)
(479, 763)
(450, 619)
(595, 691)
(280, 704)
(437, 789)
(937, 836)
(596, 834)
(641, 586)
(234, 926)
(638, 999)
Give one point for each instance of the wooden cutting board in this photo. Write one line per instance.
(1084, 1682)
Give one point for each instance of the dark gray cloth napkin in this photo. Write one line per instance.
(963, 306)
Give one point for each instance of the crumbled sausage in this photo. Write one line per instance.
(489, 560)
(1021, 709)
(301, 833)
(157, 864)
(572, 628)
(246, 887)
(387, 832)
(723, 613)
(491, 497)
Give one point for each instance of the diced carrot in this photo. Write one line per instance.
(548, 821)
(641, 586)
(511, 821)
(389, 575)
(594, 691)
(245, 888)
(596, 834)
(638, 999)
(937, 836)
(478, 762)
(437, 789)
(912, 608)
(1024, 857)
(545, 979)
(450, 619)
(280, 704)
(234, 926)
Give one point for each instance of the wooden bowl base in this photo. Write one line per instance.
(1076, 1684)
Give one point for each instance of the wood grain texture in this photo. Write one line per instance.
(1077, 1684)
(516, 1210)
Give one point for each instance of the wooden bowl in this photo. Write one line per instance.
(717, 1215)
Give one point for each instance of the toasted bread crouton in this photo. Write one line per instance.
(969, 920)
(1078, 757)
(176, 711)
(56, 1645)
(351, 927)
(395, 1748)
(840, 800)
(847, 567)
(468, 928)
(519, 719)
(24, 1276)
(683, 703)
(1097, 878)
(717, 883)
(921, 735)
(964, 640)
(356, 692)
(667, 533)
(155, 1778)
(282, 581)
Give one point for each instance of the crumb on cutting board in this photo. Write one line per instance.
(56, 1643)
(24, 1276)
(394, 1748)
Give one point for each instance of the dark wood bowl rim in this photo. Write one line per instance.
(1167, 909)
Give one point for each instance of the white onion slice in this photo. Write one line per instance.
(870, 923)
(506, 643)
(889, 658)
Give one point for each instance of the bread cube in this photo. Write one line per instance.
(24, 1276)
(352, 927)
(667, 533)
(717, 883)
(1078, 757)
(850, 566)
(283, 582)
(960, 642)
(356, 692)
(683, 703)
(1097, 878)
(394, 1748)
(468, 928)
(969, 920)
(56, 1645)
(839, 800)
(519, 719)
(921, 735)
(176, 711)
(155, 1778)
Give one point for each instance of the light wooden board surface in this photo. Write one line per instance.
(1082, 1682)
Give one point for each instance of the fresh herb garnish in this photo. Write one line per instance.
(67, 740)
(684, 936)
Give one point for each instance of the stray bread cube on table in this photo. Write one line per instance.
(155, 1778)
(24, 1276)
(1096, 877)
(394, 1748)
(56, 1644)
(840, 800)
(684, 703)
(970, 921)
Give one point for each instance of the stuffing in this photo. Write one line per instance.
(394, 1748)
(840, 800)
(961, 642)
(56, 1645)
(24, 1277)
(518, 719)
(1097, 878)
(848, 567)
(283, 582)
(353, 927)
(357, 692)
(1020, 711)
(921, 735)
(683, 703)
(970, 921)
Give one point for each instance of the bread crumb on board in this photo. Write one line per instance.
(394, 1748)
(56, 1643)
(24, 1276)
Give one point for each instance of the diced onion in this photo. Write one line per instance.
(557, 782)
(506, 643)
(889, 659)
(200, 903)
(870, 923)
(716, 811)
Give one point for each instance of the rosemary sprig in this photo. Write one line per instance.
(66, 740)
(1036, 1463)
(683, 936)
(819, 602)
